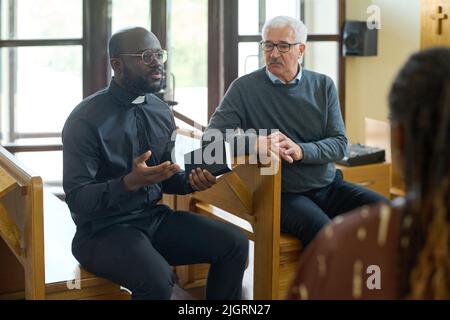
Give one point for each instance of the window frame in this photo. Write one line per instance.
(223, 51)
(95, 65)
(222, 20)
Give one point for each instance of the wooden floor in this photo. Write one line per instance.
(200, 292)
(191, 294)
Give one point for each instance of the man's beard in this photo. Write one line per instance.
(142, 85)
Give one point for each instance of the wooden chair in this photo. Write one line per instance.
(38, 264)
(21, 221)
(255, 198)
(378, 134)
(247, 194)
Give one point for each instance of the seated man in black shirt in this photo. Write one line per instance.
(117, 146)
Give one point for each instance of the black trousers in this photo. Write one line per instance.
(139, 254)
(304, 214)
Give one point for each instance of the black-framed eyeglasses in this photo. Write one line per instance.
(283, 47)
(150, 55)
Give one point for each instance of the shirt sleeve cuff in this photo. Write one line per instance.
(116, 189)
(308, 150)
(188, 188)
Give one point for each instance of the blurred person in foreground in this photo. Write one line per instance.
(399, 251)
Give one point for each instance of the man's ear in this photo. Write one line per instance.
(301, 52)
(117, 65)
(302, 48)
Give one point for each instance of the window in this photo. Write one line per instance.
(322, 57)
(188, 58)
(41, 19)
(239, 22)
(322, 18)
(53, 53)
(129, 13)
(249, 57)
(38, 94)
(125, 13)
(34, 54)
(252, 16)
(44, 70)
(41, 74)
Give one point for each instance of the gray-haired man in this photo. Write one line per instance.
(304, 107)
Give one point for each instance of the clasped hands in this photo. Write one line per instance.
(281, 145)
(143, 175)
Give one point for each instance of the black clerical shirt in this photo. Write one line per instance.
(101, 138)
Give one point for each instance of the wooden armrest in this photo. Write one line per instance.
(7, 183)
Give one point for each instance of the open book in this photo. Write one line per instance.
(214, 157)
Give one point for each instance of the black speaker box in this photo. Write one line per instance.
(359, 40)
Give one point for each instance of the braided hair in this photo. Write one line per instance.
(420, 103)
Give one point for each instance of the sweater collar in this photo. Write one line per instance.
(276, 80)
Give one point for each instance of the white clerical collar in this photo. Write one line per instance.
(139, 100)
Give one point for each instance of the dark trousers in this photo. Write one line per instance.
(304, 214)
(139, 254)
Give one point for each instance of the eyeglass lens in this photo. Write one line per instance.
(149, 56)
(269, 46)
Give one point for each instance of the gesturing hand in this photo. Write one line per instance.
(143, 175)
(201, 179)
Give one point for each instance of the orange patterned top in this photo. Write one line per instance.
(354, 257)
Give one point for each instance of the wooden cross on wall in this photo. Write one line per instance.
(439, 16)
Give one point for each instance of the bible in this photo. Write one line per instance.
(214, 157)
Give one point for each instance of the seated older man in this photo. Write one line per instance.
(304, 107)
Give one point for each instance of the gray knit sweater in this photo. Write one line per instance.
(307, 112)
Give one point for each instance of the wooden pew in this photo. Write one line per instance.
(378, 134)
(21, 221)
(37, 264)
(252, 202)
(255, 198)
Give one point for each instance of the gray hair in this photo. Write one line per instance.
(299, 28)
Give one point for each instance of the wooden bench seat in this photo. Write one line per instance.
(250, 195)
(290, 249)
(252, 202)
(38, 264)
(65, 278)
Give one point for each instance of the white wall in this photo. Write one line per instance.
(368, 79)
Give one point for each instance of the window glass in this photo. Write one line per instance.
(323, 57)
(48, 85)
(249, 57)
(289, 8)
(48, 164)
(249, 17)
(187, 75)
(126, 13)
(41, 19)
(322, 16)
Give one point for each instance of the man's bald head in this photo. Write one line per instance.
(130, 71)
(131, 40)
